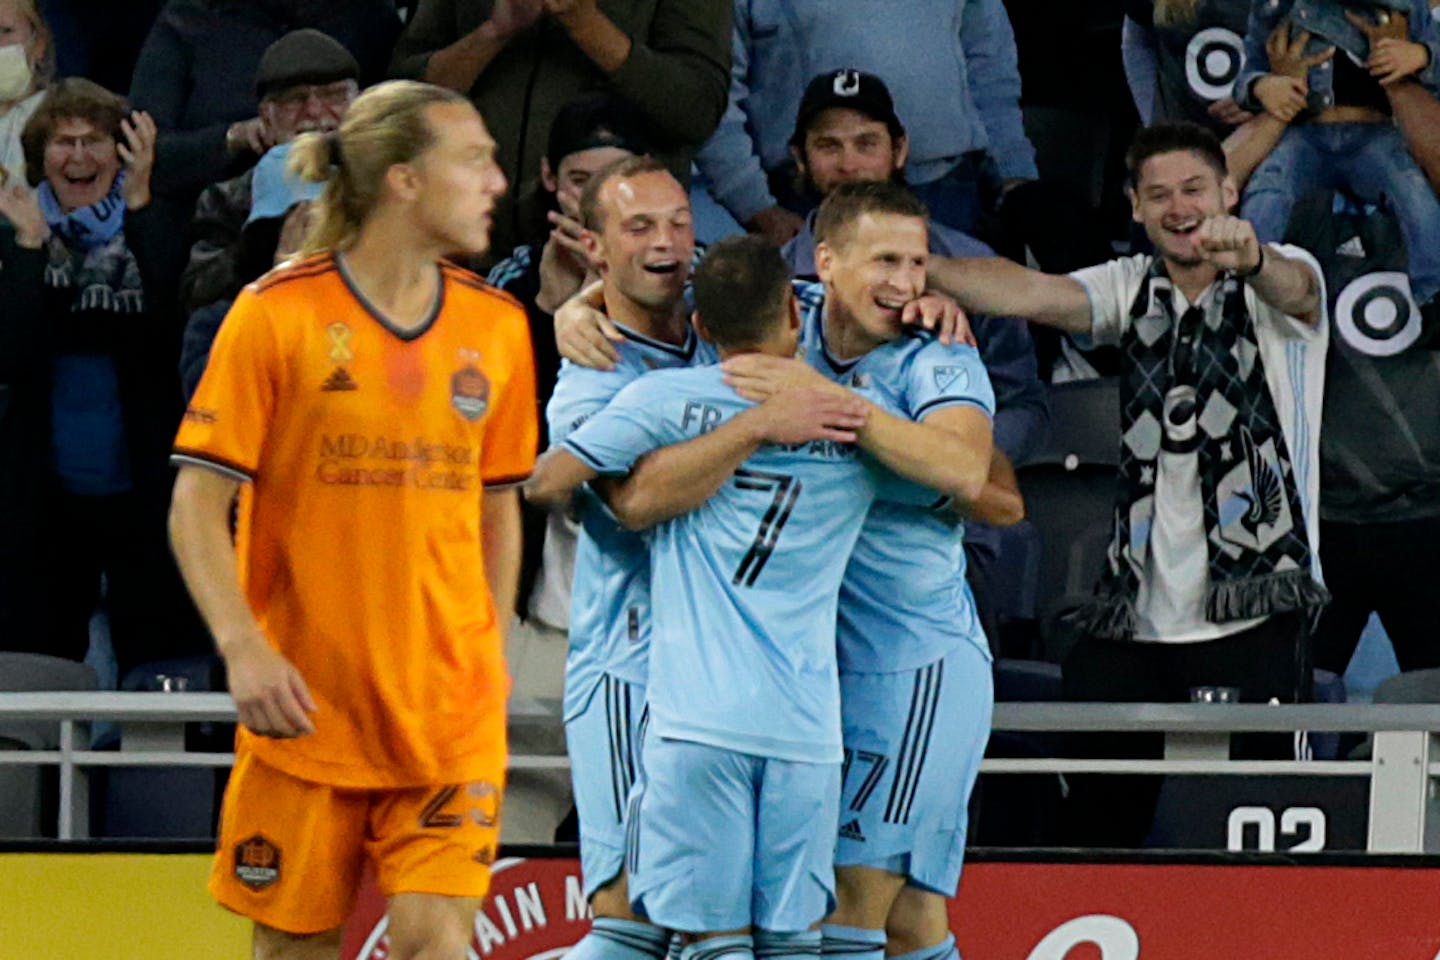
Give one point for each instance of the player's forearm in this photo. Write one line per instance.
(557, 473)
(205, 551)
(999, 503)
(500, 544)
(678, 479)
(951, 463)
(1287, 285)
(998, 287)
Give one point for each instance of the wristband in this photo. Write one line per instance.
(1259, 265)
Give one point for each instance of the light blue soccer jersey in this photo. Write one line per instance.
(904, 601)
(744, 588)
(610, 598)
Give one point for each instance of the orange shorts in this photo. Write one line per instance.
(291, 852)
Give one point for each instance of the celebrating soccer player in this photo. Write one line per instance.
(733, 831)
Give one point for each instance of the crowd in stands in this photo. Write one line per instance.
(131, 217)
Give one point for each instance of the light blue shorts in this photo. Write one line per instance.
(724, 840)
(913, 744)
(603, 741)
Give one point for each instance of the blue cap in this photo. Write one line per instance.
(274, 190)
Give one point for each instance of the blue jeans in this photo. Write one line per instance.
(1372, 161)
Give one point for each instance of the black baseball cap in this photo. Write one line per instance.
(851, 89)
(595, 120)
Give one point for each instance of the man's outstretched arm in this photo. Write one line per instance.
(996, 286)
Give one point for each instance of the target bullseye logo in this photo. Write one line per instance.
(1212, 62)
(1377, 314)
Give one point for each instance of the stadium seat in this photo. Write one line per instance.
(23, 810)
(1026, 681)
(1069, 488)
(166, 802)
(1413, 686)
(1084, 423)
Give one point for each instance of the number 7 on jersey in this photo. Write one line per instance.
(787, 490)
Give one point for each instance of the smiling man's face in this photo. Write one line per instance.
(646, 238)
(1174, 193)
(80, 163)
(873, 268)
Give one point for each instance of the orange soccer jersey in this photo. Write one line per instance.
(367, 450)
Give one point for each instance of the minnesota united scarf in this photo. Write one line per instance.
(1203, 370)
(88, 253)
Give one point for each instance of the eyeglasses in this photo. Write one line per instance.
(89, 143)
(331, 95)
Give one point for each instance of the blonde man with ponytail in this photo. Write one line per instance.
(378, 404)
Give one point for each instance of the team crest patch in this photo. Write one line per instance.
(257, 862)
(470, 391)
(946, 377)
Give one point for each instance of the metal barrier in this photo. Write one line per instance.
(1401, 771)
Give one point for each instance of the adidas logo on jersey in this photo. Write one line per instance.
(851, 831)
(1352, 248)
(339, 380)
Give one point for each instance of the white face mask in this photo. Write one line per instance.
(15, 72)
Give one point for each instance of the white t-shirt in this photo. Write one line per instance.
(550, 597)
(1170, 605)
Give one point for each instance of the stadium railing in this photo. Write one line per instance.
(1401, 769)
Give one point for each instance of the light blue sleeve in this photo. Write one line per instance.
(630, 426)
(888, 485)
(992, 66)
(580, 393)
(939, 376)
(730, 159)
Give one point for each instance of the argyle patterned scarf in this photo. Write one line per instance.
(1204, 373)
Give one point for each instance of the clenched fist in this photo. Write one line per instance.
(1228, 243)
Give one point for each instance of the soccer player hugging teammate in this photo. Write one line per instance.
(912, 655)
(732, 827)
(904, 824)
(638, 229)
(375, 402)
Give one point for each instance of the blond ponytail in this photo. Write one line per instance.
(385, 125)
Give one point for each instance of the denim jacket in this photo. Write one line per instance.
(1325, 19)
